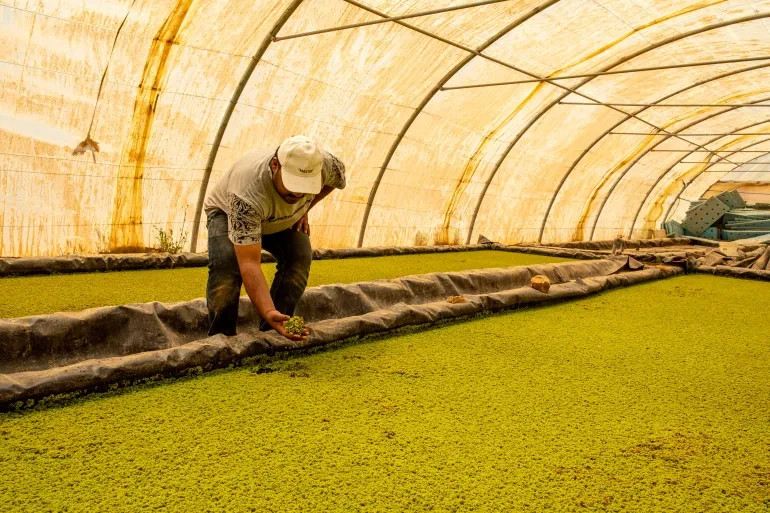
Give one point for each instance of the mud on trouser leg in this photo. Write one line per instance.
(223, 289)
(294, 254)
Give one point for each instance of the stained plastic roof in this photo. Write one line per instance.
(190, 85)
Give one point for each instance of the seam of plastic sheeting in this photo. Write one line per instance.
(607, 132)
(623, 60)
(426, 100)
(127, 213)
(671, 206)
(660, 178)
(280, 22)
(657, 143)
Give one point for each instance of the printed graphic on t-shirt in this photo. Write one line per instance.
(245, 225)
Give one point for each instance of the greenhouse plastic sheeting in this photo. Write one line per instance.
(64, 352)
(600, 245)
(174, 91)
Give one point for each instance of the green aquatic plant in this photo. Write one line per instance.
(621, 402)
(295, 325)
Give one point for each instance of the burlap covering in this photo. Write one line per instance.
(735, 272)
(131, 262)
(576, 254)
(94, 263)
(755, 257)
(59, 353)
(10, 266)
(598, 245)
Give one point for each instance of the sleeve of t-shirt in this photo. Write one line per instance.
(335, 175)
(244, 221)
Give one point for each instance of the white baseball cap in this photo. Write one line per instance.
(301, 162)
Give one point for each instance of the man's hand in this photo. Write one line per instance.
(303, 225)
(278, 322)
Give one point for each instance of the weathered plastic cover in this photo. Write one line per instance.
(63, 352)
(174, 91)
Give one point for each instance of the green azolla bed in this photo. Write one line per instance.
(645, 399)
(34, 295)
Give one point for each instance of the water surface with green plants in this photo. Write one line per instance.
(647, 398)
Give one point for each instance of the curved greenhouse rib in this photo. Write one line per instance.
(228, 114)
(609, 130)
(460, 65)
(676, 198)
(647, 150)
(623, 60)
(668, 170)
(660, 178)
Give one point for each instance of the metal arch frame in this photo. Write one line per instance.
(705, 169)
(666, 105)
(280, 22)
(619, 123)
(296, 3)
(386, 19)
(570, 90)
(685, 135)
(676, 198)
(623, 60)
(710, 164)
(534, 75)
(646, 152)
(417, 111)
(609, 73)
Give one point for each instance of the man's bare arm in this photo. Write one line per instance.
(250, 264)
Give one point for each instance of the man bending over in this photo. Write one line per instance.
(262, 202)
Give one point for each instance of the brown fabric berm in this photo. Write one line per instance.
(736, 272)
(26, 266)
(56, 353)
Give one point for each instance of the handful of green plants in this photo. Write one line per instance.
(295, 325)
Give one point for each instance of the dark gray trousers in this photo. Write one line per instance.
(292, 251)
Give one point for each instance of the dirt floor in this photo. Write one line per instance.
(649, 398)
(73, 292)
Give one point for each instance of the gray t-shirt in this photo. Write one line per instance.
(247, 195)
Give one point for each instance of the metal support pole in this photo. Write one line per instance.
(228, 114)
(711, 164)
(605, 73)
(676, 199)
(387, 19)
(429, 97)
(548, 80)
(664, 104)
(627, 116)
(613, 128)
(695, 151)
(690, 135)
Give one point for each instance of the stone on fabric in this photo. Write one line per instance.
(541, 283)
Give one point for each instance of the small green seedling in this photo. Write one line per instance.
(295, 325)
